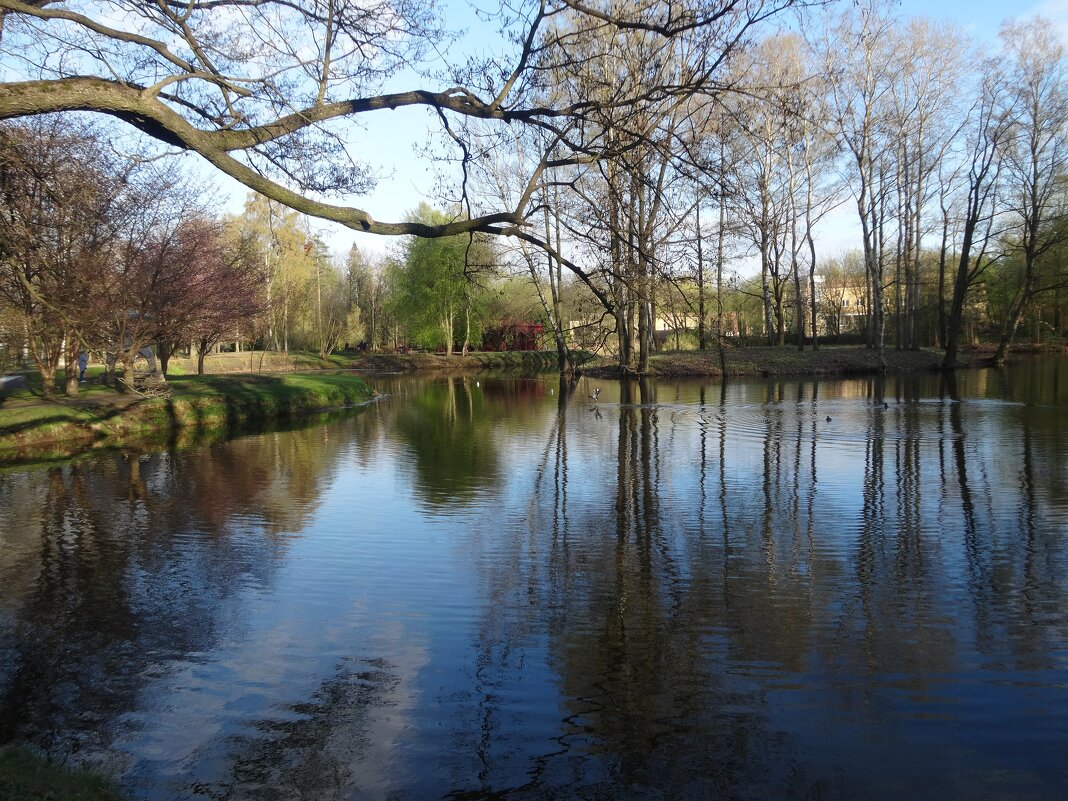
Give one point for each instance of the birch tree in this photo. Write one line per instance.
(925, 119)
(988, 130)
(861, 64)
(1036, 156)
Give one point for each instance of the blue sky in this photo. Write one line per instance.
(391, 138)
(981, 19)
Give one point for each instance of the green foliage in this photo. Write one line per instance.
(436, 287)
(284, 246)
(1005, 280)
(514, 298)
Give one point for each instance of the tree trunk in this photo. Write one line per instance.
(942, 251)
(48, 380)
(1012, 323)
(644, 335)
(128, 376)
(447, 323)
(812, 287)
(70, 362)
(702, 341)
(555, 311)
(163, 352)
(467, 328)
(765, 291)
(623, 336)
(960, 290)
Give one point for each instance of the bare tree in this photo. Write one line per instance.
(760, 177)
(545, 271)
(263, 90)
(146, 283)
(615, 208)
(1036, 156)
(63, 203)
(988, 131)
(925, 119)
(859, 59)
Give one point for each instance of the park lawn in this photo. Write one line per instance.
(28, 407)
(261, 362)
(407, 362)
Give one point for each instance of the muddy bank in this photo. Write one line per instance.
(787, 361)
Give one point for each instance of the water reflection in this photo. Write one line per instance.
(447, 428)
(487, 588)
(796, 607)
(115, 567)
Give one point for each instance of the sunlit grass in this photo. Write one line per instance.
(31, 426)
(299, 383)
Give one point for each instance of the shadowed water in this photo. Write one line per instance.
(482, 588)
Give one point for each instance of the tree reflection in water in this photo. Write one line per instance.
(447, 426)
(632, 632)
(114, 570)
(677, 636)
(487, 590)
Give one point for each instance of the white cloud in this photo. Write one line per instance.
(1056, 11)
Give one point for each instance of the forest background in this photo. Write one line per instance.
(628, 179)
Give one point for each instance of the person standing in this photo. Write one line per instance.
(83, 362)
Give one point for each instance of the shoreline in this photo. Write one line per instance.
(829, 361)
(761, 361)
(36, 430)
(292, 386)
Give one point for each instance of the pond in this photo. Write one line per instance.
(487, 588)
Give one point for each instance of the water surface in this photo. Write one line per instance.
(489, 588)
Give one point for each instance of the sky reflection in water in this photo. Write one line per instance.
(494, 588)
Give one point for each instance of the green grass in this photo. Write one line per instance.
(32, 427)
(24, 777)
(14, 416)
(258, 361)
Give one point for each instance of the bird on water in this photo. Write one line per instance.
(596, 394)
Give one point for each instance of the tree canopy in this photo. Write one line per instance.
(267, 91)
(435, 285)
(634, 145)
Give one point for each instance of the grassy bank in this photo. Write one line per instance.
(255, 386)
(763, 360)
(758, 360)
(410, 362)
(33, 428)
(24, 777)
